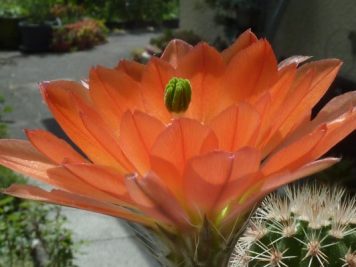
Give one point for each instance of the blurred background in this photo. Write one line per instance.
(61, 39)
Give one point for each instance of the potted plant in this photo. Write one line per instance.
(36, 30)
(83, 34)
(10, 16)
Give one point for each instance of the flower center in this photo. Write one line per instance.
(177, 95)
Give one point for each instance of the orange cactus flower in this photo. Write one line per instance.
(246, 130)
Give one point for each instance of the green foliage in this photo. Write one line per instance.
(189, 36)
(309, 226)
(133, 10)
(24, 225)
(11, 8)
(3, 110)
(38, 11)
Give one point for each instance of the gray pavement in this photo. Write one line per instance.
(110, 243)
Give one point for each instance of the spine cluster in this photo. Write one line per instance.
(306, 226)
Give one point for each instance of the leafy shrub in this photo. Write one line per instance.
(80, 35)
(26, 227)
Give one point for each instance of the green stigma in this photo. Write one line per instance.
(177, 95)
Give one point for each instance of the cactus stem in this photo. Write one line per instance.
(284, 229)
(350, 259)
(314, 247)
(308, 226)
(272, 256)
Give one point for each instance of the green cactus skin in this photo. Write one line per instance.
(308, 226)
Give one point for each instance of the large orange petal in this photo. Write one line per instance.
(155, 78)
(236, 127)
(108, 144)
(131, 68)
(245, 173)
(53, 147)
(211, 180)
(270, 102)
(273, 182)
(169, 174)
(282, 123)
(336, 130)
(333, 110)
(60, 177)
(263, 106)
(251, 71)
(203, 66)
(104, 103)
(280, 89)
(294, 154)
(175, 51)
(336, 107)
(324, 72)
(154, 187)
(183, 139)
(67, 199)
(138, 133)
(144, 202)
(114, 91)
(60, 97)
(204, 178)
(244, 40)
(102, 178)
(22, 157)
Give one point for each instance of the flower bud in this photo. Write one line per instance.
(177, 95)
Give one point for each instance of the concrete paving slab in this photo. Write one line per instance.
(78, 221)
(110, 253)
(110, 242)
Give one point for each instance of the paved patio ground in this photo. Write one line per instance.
(110, 242)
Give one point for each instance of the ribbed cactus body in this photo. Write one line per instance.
(308, 226)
